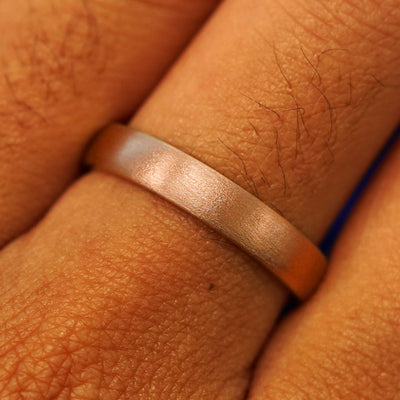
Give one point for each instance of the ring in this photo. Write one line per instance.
(214, 199)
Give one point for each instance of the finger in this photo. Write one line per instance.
(298, 126)
(66, 69)
(161, 307)
(345, 342)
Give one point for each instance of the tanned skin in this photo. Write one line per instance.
(109, 292)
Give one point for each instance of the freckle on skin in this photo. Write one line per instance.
(211, 287)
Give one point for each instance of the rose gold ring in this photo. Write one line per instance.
(214, 199)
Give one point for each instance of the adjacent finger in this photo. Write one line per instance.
(66, 69)
(344, 344)
(141, 300)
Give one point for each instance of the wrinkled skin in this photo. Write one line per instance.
(107, 291)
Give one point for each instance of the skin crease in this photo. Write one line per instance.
(67, 69)
(117, 294)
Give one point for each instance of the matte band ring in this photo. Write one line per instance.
(214, 199)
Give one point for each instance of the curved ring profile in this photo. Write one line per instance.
(214, 199)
